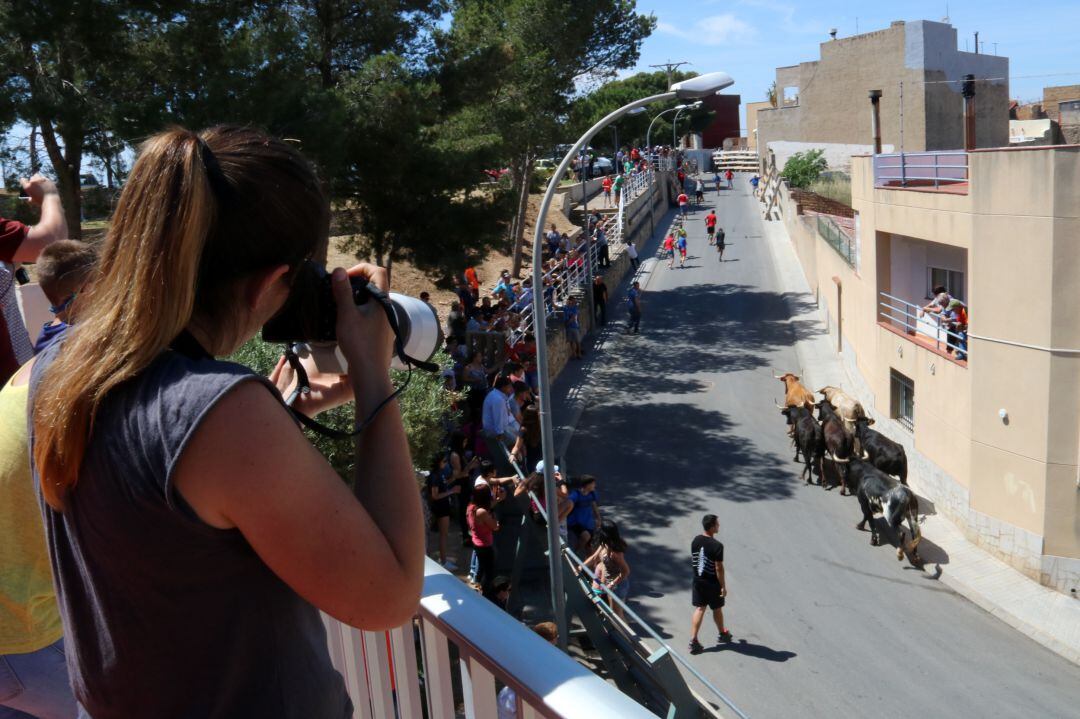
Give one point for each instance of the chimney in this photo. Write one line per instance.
(875, 119)
(968, 91)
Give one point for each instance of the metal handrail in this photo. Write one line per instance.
(572, 277)
(914, 328)
(836, 238)
(901, 161)
(576, 560)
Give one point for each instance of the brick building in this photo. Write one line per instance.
(825, 101)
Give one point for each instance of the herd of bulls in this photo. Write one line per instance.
(868, 464)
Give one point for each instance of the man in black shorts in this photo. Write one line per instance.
(720, 243)
(709, 588)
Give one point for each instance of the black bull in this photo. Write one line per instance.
(897, 502)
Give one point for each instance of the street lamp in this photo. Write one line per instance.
(675, 122)
(692, 89)
(648, 145)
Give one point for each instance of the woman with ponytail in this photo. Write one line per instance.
(194, 532)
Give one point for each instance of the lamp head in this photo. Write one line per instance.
(680, 107)
(702, 86)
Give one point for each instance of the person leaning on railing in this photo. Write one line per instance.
(194, 532)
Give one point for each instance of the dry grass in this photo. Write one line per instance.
(835, 187)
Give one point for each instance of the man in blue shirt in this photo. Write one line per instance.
(572, 318)
(496, 425)
(633, 300)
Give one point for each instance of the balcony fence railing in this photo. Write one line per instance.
(920, 169)
(836, 238)
(457, 652)
(912, 319)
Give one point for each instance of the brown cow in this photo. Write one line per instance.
(795, 394)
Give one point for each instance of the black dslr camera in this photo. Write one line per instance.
(310, 313)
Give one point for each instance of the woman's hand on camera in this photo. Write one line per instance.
(364, 336)
(327, 390)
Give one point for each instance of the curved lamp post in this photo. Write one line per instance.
(675, 122)
(648, 146)
(692, 89)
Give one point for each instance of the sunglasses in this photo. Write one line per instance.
(57, 309)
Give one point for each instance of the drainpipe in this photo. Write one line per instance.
(968, 91)
(875, 119)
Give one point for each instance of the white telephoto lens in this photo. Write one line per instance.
(420, 330)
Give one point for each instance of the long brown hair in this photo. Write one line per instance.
(198, 213)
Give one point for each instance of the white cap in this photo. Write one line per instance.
(540, 467)
(480, 482)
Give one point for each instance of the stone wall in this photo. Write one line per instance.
(1054, 95)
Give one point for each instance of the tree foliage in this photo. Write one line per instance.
(426, 408)
(590, 108)
(803, 168)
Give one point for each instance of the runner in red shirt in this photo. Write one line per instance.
(710, 225)
(19, 243)
(669, 249)
(606, 184)
(684, 201)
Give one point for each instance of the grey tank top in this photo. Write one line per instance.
(165, 616)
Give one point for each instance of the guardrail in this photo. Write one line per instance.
(836, 238)
(577, 567)
(907, 169)
(462, 645)
(570, 274)
(912, 319)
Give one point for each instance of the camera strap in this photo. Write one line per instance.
(303, 383)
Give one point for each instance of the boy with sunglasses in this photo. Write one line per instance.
(63, 270)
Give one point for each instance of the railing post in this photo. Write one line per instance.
(903, 171)
(936, 170)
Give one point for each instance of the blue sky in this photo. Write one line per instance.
(750, 38)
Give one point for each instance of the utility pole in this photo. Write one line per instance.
(669, 67)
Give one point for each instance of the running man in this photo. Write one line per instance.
(709, 588)
(684, 201)
(699, 191)
(680, 243)
(710, 225)
(716, 179)
(720, 243)
(669, 249)
(729, 176)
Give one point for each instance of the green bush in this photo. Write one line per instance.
(426, 409)
(803, 168)
(835, 186)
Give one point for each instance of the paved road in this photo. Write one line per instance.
(680, 422)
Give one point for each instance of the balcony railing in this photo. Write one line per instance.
(921, 169)
(836, 238)
(926, 327)
(458, 651)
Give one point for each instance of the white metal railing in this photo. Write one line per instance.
(920, 168)
(569, 275)
(914, 320)
(409, 672)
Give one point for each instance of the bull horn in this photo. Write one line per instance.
(776, 376)
(778, 405)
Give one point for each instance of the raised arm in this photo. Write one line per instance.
(51, 227)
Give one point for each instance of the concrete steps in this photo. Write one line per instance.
(736, 160)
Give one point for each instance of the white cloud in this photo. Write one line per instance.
(723, 29)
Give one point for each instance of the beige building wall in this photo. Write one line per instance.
(1011, 484)
(919, 59)
(752, 109)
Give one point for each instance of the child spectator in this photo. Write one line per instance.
(572, 315)
(64, 268)
(608, 562)
(585, 516)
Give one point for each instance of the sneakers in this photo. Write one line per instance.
(723, 637)
(695, 647)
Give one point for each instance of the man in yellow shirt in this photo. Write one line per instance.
(33, 673)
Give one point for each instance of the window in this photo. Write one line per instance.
(952, 279)
(903, 400)
(791, 96)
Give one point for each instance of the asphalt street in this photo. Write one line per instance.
(679, 421)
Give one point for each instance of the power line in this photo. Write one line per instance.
(995, 79)
(669, 67)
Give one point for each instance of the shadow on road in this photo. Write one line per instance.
(756, 651)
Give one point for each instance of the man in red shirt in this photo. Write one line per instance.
(19, 243)
(710, 225)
